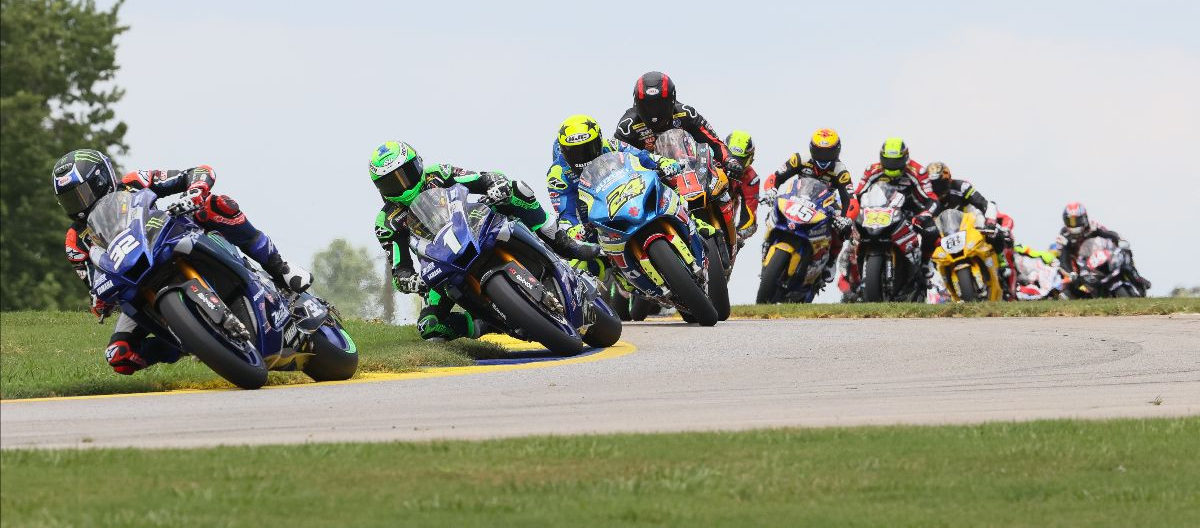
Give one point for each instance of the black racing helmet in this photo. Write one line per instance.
(654, 100)
(81, 177)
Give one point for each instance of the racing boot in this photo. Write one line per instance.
(291, 277)
(564, 245)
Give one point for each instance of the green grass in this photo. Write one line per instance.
(62, 354)
(1048, 473)
(1096, 307)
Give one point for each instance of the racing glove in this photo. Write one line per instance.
(734, 167)
(500, 189)
(406, 280)
(669, 167)
(100, 308)
(842, 224)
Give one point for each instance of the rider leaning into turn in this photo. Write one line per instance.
(1077, 228)
(957, 194)
(741, 147)
(655, 110)
(579, 142)
(824, 165)
(399, 174)
(82, 177)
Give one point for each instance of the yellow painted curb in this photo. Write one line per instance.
(620, 349)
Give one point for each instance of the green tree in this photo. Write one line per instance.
(345, 276)
(58, 59)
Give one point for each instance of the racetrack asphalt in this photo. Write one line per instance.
(738, 375)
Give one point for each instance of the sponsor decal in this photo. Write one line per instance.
(578, 138)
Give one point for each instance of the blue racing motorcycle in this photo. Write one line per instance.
(645, 230)
(798, 245)
(501, 273)
(197, 291)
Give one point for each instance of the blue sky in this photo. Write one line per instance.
(1038, 105)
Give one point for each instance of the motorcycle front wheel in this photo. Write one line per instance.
(873, 278)
(196, 339)
(773, 274)
(966, 285)
(680, 280)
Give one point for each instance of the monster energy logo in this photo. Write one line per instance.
(220, 240)
(155, 223)
(477, 213)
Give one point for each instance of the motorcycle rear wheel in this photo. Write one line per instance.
(522, 314)
(680, 280)
(718, 286)
(331, 362)
(196, 339)
(605, 331)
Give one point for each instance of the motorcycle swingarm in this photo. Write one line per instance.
(210, 304)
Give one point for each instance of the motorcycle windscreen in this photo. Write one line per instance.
(949, 221)
(431, 210)
(1095, 252)
(111, 216)
(676, 144)
(879, 194)
(597, 170)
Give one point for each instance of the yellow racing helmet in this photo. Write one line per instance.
(825, 147)
(741, 145)
(580, 140)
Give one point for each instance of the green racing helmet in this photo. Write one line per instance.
(397, 171)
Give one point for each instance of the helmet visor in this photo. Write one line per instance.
(578, 155)
(77, 199)
(893, 164)
(825, 154)
(656, 112)
(394, 183)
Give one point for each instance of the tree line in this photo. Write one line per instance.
(57, 94)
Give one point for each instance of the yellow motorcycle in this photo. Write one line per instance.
(967, 263)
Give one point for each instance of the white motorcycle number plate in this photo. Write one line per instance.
(954, 243)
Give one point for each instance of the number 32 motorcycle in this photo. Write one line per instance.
(197, 291)
(645, 231)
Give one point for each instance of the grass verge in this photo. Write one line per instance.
(1047, 473)
(62, 354)
(1091, 307)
